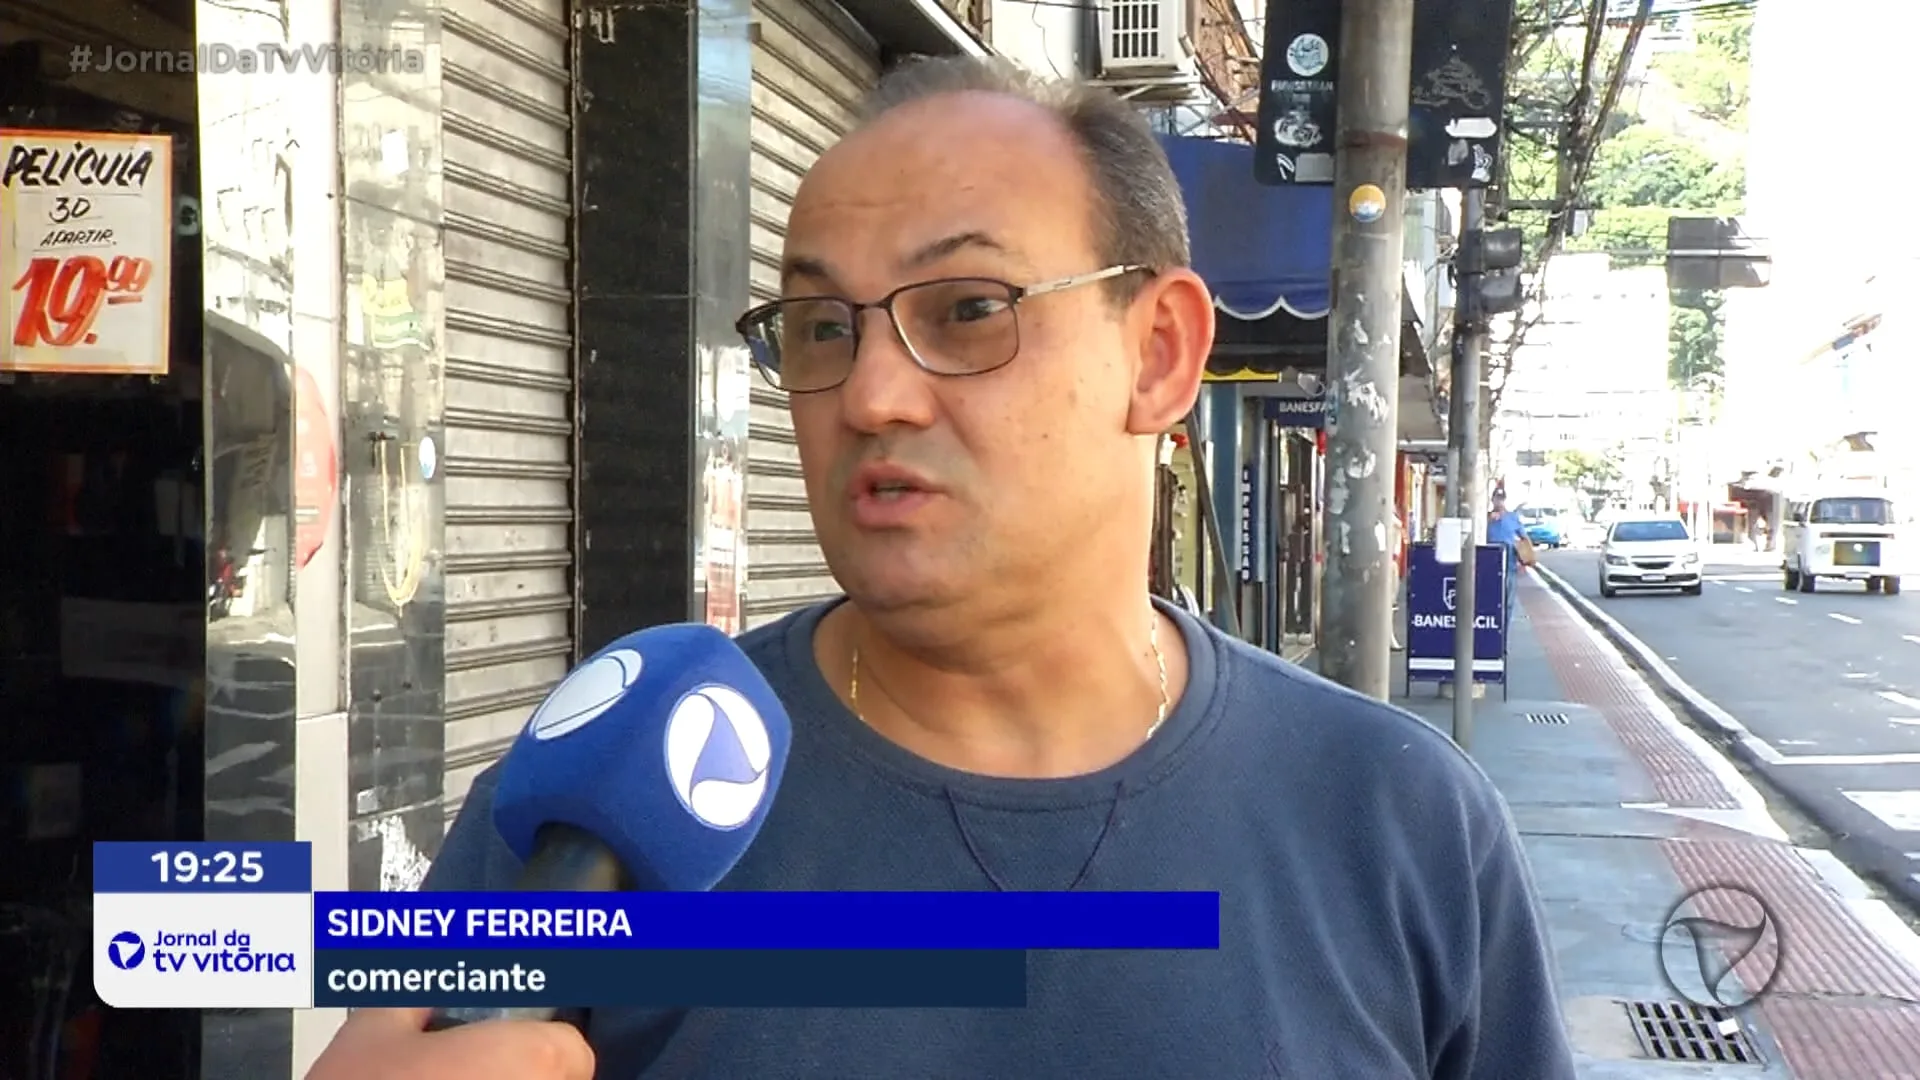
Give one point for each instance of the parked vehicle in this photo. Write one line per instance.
(1543, 526)
(1841, 534)
(1649, 551)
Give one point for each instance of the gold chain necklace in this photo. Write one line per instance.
(1153, 638)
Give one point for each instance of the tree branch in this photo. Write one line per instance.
(1582, 131)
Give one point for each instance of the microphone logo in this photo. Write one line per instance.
(718, 752)
(582, 696)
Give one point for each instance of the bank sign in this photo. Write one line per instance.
(1300, 412)
(1433, 594)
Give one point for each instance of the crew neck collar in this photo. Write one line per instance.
(1191, 720)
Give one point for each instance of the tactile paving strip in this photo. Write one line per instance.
(1593, 673)
(1825, 951)
(1844, 1006)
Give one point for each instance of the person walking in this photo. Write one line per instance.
(988, 318)
(1505, 528)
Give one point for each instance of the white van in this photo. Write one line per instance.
(1842, 534)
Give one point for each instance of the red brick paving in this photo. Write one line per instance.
(1592, 673)
(1826, 952)
(1844, 1006)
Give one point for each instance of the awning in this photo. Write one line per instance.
(917, 26)
(1419, 424)
(1260, 349)
(1260, 249)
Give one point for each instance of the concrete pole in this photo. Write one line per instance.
(1457, 419)
(1363, 348)
(1469, 370)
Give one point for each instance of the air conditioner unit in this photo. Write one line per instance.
(1147, 37)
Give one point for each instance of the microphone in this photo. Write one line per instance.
(649, 768)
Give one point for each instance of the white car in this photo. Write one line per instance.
(1653, 551)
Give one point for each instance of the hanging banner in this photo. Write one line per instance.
(86, 251)
(1298, 76)
(1457, 93)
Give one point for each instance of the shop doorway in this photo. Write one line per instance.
(103, 578)
(1299, 537)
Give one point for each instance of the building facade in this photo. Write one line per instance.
(1822, 254)
(1590, 378)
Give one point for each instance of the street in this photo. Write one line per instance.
(1830, 682)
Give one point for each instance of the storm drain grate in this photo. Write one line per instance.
(1678, 1031)
(1546, 718)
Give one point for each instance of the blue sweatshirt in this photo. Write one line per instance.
(1378, 920)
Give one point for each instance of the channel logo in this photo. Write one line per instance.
(126, 950)
(173, 947)
(718, 751)
(199, 952)
(586, 694)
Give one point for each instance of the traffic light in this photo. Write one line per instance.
(1488, 266)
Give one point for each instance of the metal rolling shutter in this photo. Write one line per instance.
(811, 65)
(509, 370)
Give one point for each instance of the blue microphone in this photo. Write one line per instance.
(649, 768)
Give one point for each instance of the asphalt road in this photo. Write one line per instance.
(1830, 681)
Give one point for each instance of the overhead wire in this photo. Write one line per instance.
(1583, 131)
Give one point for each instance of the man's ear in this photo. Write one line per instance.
(1172, 322)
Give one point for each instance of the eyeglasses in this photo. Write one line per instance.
(952, 326)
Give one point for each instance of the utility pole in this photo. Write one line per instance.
(1463, 437)
(1363, 348)
(1486, 269)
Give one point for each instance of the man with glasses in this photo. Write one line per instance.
(987, 321)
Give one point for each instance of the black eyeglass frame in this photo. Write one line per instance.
(1016, 294)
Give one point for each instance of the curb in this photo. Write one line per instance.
(1697, 705)
(1750, 749)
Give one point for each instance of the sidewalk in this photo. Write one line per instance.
(1624, 811)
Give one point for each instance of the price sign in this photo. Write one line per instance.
(86, 244)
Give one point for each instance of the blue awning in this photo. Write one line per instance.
(1261, 249)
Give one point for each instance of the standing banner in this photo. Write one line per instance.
(1432, 593)
(86, 251)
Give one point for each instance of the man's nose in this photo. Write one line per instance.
(886, 387)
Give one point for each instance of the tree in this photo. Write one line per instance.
(1567, 65)
(1642, 177)
(1586, 472)
(1693, 336)
(1642, 174)
(1713, 78)
(1640, 165)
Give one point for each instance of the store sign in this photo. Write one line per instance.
(1246, 523)
(1297, 412)
(86, 251)
(316, 469)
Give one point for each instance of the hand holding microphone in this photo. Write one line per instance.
(650, 767)
(391, 1044)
